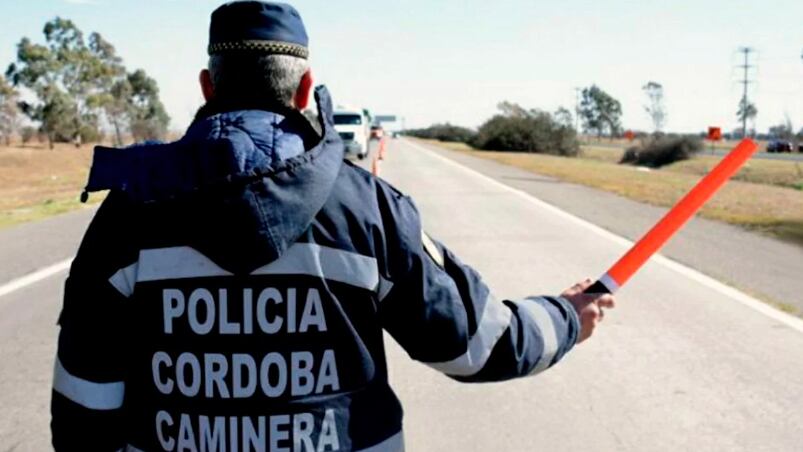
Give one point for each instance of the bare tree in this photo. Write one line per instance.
(784, 130)
(655, 104)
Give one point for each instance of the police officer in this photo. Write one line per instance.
(232, 291)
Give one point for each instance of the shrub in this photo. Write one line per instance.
(661, 151)
(148, 130)
(527, 132)
(90, 134)
(443, 132)
(41, 136)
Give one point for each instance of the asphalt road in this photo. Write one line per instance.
(760, 265)
(683, 364)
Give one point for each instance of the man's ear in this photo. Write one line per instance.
(304, 91)
(207, 88)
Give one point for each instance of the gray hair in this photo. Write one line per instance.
(256, 77)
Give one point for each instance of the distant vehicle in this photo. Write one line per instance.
(780, 146)
(352, 126)
(377, 132)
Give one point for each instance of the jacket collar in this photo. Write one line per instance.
(251, 206)
(213, 152)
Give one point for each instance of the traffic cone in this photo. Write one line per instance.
(382, 149)
(375, 167)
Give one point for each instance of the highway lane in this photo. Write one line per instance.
(29, 247)
(27, 345)
(682, 364)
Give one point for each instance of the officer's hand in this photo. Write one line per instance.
(589, 307)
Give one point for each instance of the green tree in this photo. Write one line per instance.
(130, 100)
(600, 111)
(563, 117)
(36, 70)
(117, 106)
(109, 75)
(513, 110)
(655, 104)
(519, 129)
(78, 82)
(58, 74)
(149, 120)
(9, 111)
(27, 133)
(443, 132)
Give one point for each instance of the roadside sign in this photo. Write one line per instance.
(714, 134)
(630, 135)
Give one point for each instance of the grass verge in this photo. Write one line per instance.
(782, 173)
(36, 182)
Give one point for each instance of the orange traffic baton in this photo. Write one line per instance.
(375, 166)
(382, 148)
(653, 240)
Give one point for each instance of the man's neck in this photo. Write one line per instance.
(303, 128)
(216, 106)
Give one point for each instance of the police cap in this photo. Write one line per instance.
(265, 27)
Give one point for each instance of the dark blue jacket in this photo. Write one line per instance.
(232, 291)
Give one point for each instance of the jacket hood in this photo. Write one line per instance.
(256, 179)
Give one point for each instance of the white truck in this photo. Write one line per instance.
(354, 127)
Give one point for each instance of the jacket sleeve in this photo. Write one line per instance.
(442, 313)
(89, 375)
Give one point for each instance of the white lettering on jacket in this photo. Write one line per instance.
(279, 433)
(203, 312)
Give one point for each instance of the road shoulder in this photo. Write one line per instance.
(29, 247)
(763, 267)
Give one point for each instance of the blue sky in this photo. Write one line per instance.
(455, 60)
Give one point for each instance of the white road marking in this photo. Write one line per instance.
(753, 303)
(33, 278)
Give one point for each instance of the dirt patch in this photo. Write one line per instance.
(36, 182)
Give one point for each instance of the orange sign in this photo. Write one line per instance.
(630, 135)
(714, 134)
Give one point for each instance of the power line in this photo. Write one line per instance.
(745, 82)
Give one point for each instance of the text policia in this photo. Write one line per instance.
(241, 375)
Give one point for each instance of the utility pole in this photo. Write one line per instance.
(745, 81)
